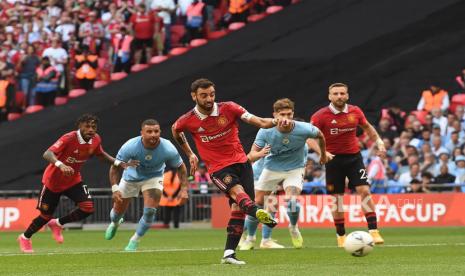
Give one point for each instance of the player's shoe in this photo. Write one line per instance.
(231, 259)
(341, 240)
(270, 244)
(247, 245)
(56, 230)
(111, 229)
(296, 237)
(376, 236)
(25, 244)
(265, 218)
(132, 246)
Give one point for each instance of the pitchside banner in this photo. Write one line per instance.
(400, 210)
(17, 214)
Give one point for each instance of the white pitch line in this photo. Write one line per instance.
(5, 254)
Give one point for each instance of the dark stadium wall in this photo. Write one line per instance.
(387, 51)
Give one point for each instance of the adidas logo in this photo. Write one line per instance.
(333, 122)
(200, 129)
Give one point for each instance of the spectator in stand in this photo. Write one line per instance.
(238, 10)
(437, 147)
(444, 177)
(456, 152)
(376, 172)
(47, 83)
(429, 164)
(58, 59)
(165, 9)
(451, 126)
(121, 51)
(444, 159)
(396, 118)
(202, 178)
(86, 68)
(385, 131)
(196, 17)
(143, 26)
(460, 79)
(91, 33)
(27, 73)
(210, 8)
(7, 98)
(415, 187)
(413, 173)
(434, 97)
(460, 173)
(66, 29)
(454, 141)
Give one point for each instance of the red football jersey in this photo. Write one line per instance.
(217, 135)
(73, 151)
(339, 128)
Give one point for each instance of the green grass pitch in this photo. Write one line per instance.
(408, 251)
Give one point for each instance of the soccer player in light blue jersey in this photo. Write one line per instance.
(285, 163)
(153, 154)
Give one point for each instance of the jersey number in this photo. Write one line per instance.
(363, 172)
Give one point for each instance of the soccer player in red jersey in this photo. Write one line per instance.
(339, 122)
(63, 177)
(214, 129)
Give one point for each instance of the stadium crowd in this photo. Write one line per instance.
(51, 47)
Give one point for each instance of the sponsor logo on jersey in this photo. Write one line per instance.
(208, 138)
(72, 160)
(335, 131)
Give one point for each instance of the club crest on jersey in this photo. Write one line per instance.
(351, 118)
(222, 120)
(286, 141)
(227, 179)
(148, 157)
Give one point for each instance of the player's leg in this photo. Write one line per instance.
(271, 205)
(293, 187)
(128, 191)
(251, 223)
(335, 186)
(85, 207)
(358, 180)
(234, 232)
(151, 191)
(47, 203)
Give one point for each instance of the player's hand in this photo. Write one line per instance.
(131, 163)
(326, 157)
(117, 197)
(183, 196)
(264, 151)
(66, 170)
(381, 151)
(284, 122)
(194, 162)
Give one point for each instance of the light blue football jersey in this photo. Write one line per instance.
(152, 161)
(257, 168)
(288, 150)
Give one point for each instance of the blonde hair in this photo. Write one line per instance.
(284, 103)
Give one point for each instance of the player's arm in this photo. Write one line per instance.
(374, 136)
(263, 122)
(325, 156)
(115, 174)
(181, 139)
(257, 153)
(182, 174)
(105, 157)
(51, 158)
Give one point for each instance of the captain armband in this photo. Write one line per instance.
(246, 116)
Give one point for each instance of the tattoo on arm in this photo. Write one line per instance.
(50, 156)
(181, 138)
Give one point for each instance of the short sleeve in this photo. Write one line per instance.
(362, 120)
(236, 109)
(311, 130)
(180, 124)
(60, 144)
(99, 148)
(174, 159)
(124, 153)
(260, 139)
(314, 120)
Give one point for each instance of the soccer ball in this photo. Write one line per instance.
(359, 243)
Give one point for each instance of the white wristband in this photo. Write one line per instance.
(117, 162)
(114, 188)
(58, 163)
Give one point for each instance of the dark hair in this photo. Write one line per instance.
(415, 181)
(87, 118)
(427, 174)
(150, 122)
(201, 83)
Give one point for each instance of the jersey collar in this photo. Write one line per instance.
(203, 116)
(81, 140)
(336, 111)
